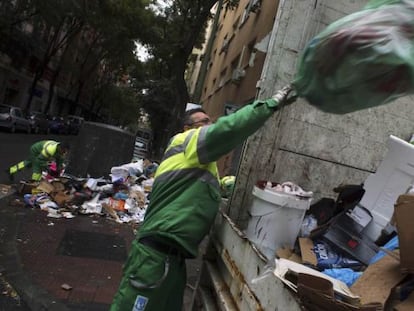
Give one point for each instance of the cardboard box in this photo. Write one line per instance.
(317, 294)
(306, 249)
(378, 280)
(46, 187)
(58, 186)
(61, 198)
(288, 253)
(406, 305)
(404, 217)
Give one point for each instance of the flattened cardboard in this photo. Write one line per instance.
(406, 305)
(58, 186)
(287, 253)
(404, 216)
(284, 266)
(306, 250)
(61, 198)
(317, 294)
(46, 187)
(377, 281)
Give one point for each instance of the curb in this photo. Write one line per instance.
(36, 298)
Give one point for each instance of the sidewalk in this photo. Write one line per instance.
(65, 264)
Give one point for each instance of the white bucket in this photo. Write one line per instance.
(276, 219)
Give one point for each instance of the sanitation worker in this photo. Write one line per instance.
(184, 201)
(41, 154)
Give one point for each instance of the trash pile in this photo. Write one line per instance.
(325, 253)
(123, 198)
(352, 252)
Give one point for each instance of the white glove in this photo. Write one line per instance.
(282, 96)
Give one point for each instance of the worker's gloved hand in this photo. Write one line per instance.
(285, 96)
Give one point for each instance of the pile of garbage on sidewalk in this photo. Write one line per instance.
(352, 252)
(123, 197)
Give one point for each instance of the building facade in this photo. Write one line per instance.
(236, 62)
(56, 91)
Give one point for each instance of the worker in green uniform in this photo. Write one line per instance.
(184, 201)
(42, 153)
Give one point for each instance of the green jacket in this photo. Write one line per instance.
(185, 195)
(41, 155)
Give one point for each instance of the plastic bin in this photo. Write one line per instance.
(276, 219)
(393, 177)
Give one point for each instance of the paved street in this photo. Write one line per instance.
(40, 255)
(63, 264)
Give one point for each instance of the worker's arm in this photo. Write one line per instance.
(230, 131)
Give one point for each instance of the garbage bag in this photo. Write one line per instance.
(346, 275)
(390, 245)
(363, 60)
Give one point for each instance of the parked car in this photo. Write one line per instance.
(39, 122)
(12, 118)
(59, 125)
(75, 123)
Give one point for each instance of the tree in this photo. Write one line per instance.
(57, 24)
(111, 41)
(177, 28)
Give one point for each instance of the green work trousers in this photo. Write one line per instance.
(37, 162)
(152, 281)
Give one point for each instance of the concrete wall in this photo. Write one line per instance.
(98, 148)
(316, 150)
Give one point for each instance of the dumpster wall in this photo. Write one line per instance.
(316, 150)
(98, 148)
(236, 276)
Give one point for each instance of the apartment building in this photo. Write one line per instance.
(20, 58)
(236, 62)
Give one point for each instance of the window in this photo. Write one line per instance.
(237, 73)
(252, 6)
(222, 77)
(225, 44)
(255, 5)
(245, 14)
(252, 52)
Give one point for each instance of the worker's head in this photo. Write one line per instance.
(63, 148)
(195, 118)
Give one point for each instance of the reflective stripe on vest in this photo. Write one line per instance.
(191, 173)
(49, 149)
(179, 148)
(202, 152)
(175, 164)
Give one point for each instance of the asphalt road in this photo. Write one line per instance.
(14, 147)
